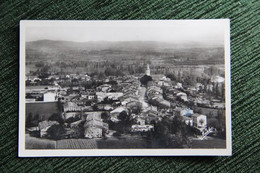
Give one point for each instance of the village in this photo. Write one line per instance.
(151, 106)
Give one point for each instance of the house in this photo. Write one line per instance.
(94, 126)
(74, 114)
(152, 113)
(108, 107)
(160, 102)
(140, 120)
(202, 102)
(118, 110)
(114, 114)
(164, 82)
(44, 126)
(133, 104)
(71, 107)
(178, 85)
(170, 97)
(113, 96)
(49, 97)
(128, 98)
(183, 111)
(188, 121)
(104, 87)
(103, 107)
(154, 90)
(192, 91)
(88, 95)
(182, 96)
(75, 124)
(93, 132)
(84, 77)
(142, 128)
(199, 121)
(217, 79)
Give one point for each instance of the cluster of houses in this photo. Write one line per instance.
(113, 96)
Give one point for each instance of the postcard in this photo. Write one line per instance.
(125, 88)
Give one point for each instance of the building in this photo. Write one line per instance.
(160, 103)
(148, 72)
(71, 107)
(199, 121)
(44, 126)
(182, 96)
(88, 95)
(188, 121)
(49, 97)
(113, 95)
(94, 126)
(142, 128)
(103, 88)
(183, 111)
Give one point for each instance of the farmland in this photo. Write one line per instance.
(124, 141)
(211, 142)
(76, 144)
(37, 143)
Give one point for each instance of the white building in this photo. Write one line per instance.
(49, 97)
(199, 121)
(141, 128)
(148, 72)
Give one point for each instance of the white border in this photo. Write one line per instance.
(22, 152)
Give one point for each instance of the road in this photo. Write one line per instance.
(142, 91)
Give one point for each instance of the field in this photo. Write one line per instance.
(122, 142)
(125, 141)
(38, 143)
(209, 143)
(206, 111)
(76, 144)
(43, 109)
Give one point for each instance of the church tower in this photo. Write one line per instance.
(147, 72)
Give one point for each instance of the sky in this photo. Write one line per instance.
(175, 31)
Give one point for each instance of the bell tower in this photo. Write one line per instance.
(147, 72)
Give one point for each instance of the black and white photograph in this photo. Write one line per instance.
(125, 88)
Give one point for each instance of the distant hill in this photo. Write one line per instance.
(48, 50)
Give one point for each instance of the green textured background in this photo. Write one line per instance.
(245, 60)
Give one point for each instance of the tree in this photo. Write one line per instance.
(124, 122)
(223, 92)
(29, 120)
(72, 119)
(56, 117)
(105, 116)
(39, 64)
(145, 79)
(211, 114)
(56, 131)
(217, 90)
(213, 122)
(123, 117)
(171, 76)
(78, 131)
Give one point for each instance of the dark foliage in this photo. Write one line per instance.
(56, 117)
(56, 132)
(145, 79)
